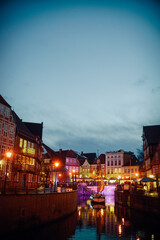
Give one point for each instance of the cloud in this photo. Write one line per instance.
(104, 138)
(141, 81)
(156, 90)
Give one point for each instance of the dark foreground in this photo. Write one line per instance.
(111, 222)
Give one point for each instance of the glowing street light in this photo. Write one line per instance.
(56, 164)
(8, 156)
(74, 176)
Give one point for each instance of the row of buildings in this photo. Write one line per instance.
(33, 163)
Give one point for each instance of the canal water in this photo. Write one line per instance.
(87, 223)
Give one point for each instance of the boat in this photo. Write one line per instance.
(98, 197)
(97, 205)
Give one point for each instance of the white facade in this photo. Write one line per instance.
(114, 162)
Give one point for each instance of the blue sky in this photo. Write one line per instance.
(89, 70)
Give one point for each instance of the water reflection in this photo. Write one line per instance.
(110, 222)
(113, 222)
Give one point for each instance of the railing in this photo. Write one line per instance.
(41, 190)
(38, 190)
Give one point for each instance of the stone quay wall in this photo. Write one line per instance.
(138, 202)
(24, 211)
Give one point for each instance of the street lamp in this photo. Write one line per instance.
(8, 156)
(56, 165)
(73, 174)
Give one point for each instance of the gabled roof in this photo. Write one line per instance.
(35, 128)
(3, 101)
(21, 127)
(50, 152)
(91, 157)
(152, 134)
(101, 158)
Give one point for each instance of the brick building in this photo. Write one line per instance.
(27, 156)
(7, 138)
(151, 141)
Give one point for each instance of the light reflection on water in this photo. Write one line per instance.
(113, 222)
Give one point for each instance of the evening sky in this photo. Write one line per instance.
(89, 70)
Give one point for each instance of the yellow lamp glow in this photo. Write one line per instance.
(56, 164)
(8, 154)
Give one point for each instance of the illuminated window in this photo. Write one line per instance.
(27, 160)
(25, 146)
(21, 142)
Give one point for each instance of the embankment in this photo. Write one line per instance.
(25, 211)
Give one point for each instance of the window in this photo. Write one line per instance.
(21, 142)
(1, 109)
(115, 170)
(28, 144)
(116, 163)
(108, 163)
(66, 160)
(5, 130)
(108, 171)
(25, 146)
(125, 170)
(111, 163)
(3, 148)
(128, 170)
(119, 162)
(7, 112)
